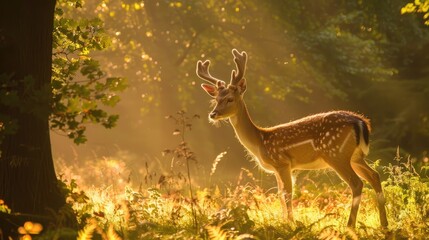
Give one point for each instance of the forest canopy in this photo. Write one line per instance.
(304, 58)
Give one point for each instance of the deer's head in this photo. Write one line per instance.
(227, 98)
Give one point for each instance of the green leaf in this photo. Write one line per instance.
(111, 121)
(97, 114)
(116, 84)
(56, 84)
(110, 100)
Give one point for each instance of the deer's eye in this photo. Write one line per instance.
(229, 100)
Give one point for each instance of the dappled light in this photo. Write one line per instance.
(156, 119)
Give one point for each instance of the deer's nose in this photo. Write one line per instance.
(213, 114)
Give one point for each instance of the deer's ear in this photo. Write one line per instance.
(210, 89)
(242, 86)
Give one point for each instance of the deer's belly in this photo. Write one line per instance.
(305, 157)
(309, 164)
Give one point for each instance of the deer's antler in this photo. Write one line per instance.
(203, 73)
(240, 60)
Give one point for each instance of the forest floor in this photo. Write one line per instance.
(244, 210)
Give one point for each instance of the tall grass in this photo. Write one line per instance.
(245, 210)
(122, 209)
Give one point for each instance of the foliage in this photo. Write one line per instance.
(421, 7)
(182, 32)
(246, 211)
(79, 84)
(407, 195)
(344, 47)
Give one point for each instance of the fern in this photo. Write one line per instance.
(112, 235)
(217, 233)
(87, 231)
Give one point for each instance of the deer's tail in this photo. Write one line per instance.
(362, 130)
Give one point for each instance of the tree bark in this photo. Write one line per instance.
(28, 183)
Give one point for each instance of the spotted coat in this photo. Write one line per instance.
(314, 139)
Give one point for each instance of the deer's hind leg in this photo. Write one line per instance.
(370, 175)
(341, 164)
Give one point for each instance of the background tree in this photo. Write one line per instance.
(62, 89)
(27, 178)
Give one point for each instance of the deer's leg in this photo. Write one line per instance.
(370, 175)
(284, 184)
(346, 172)
(280, 186)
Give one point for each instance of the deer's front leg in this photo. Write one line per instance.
(284, 185)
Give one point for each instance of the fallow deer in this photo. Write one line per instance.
(336, 139)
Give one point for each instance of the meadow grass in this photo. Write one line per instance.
(243, 210)
(246, 210)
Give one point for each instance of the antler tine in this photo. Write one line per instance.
(203, 73)
(240, 60)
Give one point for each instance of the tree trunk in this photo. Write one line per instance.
(28, 183)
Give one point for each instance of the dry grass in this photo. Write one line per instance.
(245, 210)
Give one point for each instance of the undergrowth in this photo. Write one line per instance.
(245, 210)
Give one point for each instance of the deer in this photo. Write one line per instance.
(336, 139)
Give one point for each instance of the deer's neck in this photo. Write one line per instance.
(247, 132)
